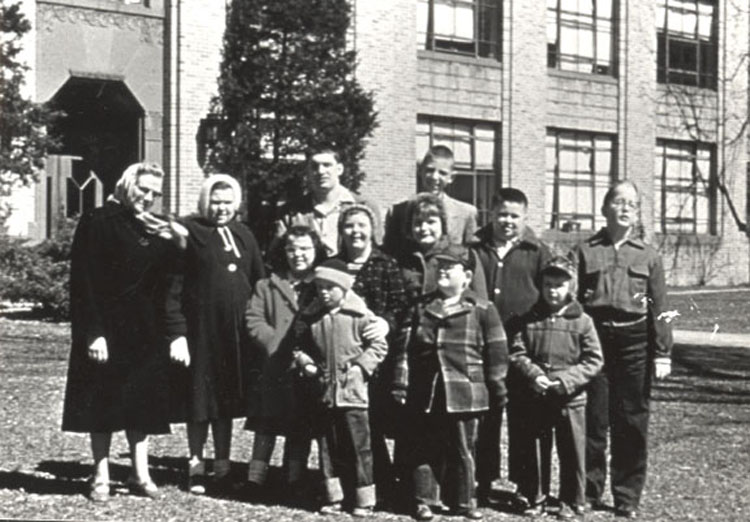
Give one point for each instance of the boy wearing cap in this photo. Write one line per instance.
(556, 352)
(335, 354)
(453, 369)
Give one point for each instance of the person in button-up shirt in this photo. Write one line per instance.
(622, 287)
(512, 258)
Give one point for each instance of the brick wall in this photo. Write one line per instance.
(194, 50)
(383, 35)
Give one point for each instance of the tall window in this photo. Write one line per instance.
(475, 148)
(687, 42)
(580, 169)
(579, 35)
(685, 191)
(470, 27)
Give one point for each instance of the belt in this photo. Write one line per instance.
(621, 324)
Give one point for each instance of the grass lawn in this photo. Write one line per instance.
(700, 451)
(702, 309)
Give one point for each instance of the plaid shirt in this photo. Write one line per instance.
(461, 349)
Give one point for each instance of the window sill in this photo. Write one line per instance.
(590, 77)
(459, 58)
(690, 90)
(155, 11)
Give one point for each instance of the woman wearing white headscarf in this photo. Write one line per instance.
(117, 378)
(205, 326)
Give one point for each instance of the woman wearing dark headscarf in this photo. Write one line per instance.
(117, 377)
(205, 325)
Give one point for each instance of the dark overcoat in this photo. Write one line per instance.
(117, 286)
(269, 318)
(206, 303)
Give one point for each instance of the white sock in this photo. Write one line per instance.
(197, 467)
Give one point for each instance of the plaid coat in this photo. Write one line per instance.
(462, 350)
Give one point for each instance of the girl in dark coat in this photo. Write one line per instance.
(269, 317)
(117, 378)
(205, 326)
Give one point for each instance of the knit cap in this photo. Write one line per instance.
(334, 271)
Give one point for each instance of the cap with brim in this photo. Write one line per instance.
(560, 266)
(334, 271)
(455, 253)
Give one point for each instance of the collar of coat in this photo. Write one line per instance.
(284, 286)
(201, 229)
(352, 305)
(526, 238)
(602, 238)
(434, 307)
(375, 255)
(541, 310)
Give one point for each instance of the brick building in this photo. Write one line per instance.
(555, 98)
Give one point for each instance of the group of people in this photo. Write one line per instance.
(349, 333)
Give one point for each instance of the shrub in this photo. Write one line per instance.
(39, 273)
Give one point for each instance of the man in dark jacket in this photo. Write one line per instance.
(512, 258)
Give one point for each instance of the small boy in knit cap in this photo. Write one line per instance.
(336, 356)
(556, 351)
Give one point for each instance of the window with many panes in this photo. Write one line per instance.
(687, 42)
(580, 35)
(475, 149)
(469, 27)
(684, 188)
(580, 166)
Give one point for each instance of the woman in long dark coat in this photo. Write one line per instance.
(117, 377)
(205, 326)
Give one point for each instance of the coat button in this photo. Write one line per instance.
(500, 264)
(232, 267)
(497, 291)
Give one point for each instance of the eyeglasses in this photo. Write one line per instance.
(622, 203)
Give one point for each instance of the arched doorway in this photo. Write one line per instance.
(100, 134)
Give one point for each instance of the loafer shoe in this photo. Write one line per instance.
(196, 484)
(145, 489)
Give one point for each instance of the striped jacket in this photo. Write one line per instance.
(460, 352)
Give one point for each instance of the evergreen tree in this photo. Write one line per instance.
(23, 138)
(287, 85)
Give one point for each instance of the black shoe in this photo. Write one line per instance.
(470, 513)
(535, 510)
(595, 504)
(223, 486)
(423, 512)
(626, 512)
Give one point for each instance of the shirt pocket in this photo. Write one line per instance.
(638, 279)
(590, 282)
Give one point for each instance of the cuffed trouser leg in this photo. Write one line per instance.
(263, 444)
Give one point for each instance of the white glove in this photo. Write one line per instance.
(662, 367)
(98, 350)
(178, 351)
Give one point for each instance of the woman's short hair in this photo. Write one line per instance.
(423, 206)
(277, 255)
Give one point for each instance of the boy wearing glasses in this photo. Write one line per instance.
(453, 370)
(622, 288)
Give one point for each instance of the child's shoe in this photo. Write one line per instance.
(566, 512)
(423, 512)
(332, 509)
(470, 513)
(535, 510)
(362, 512)
(99, 492)
(196, 484)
